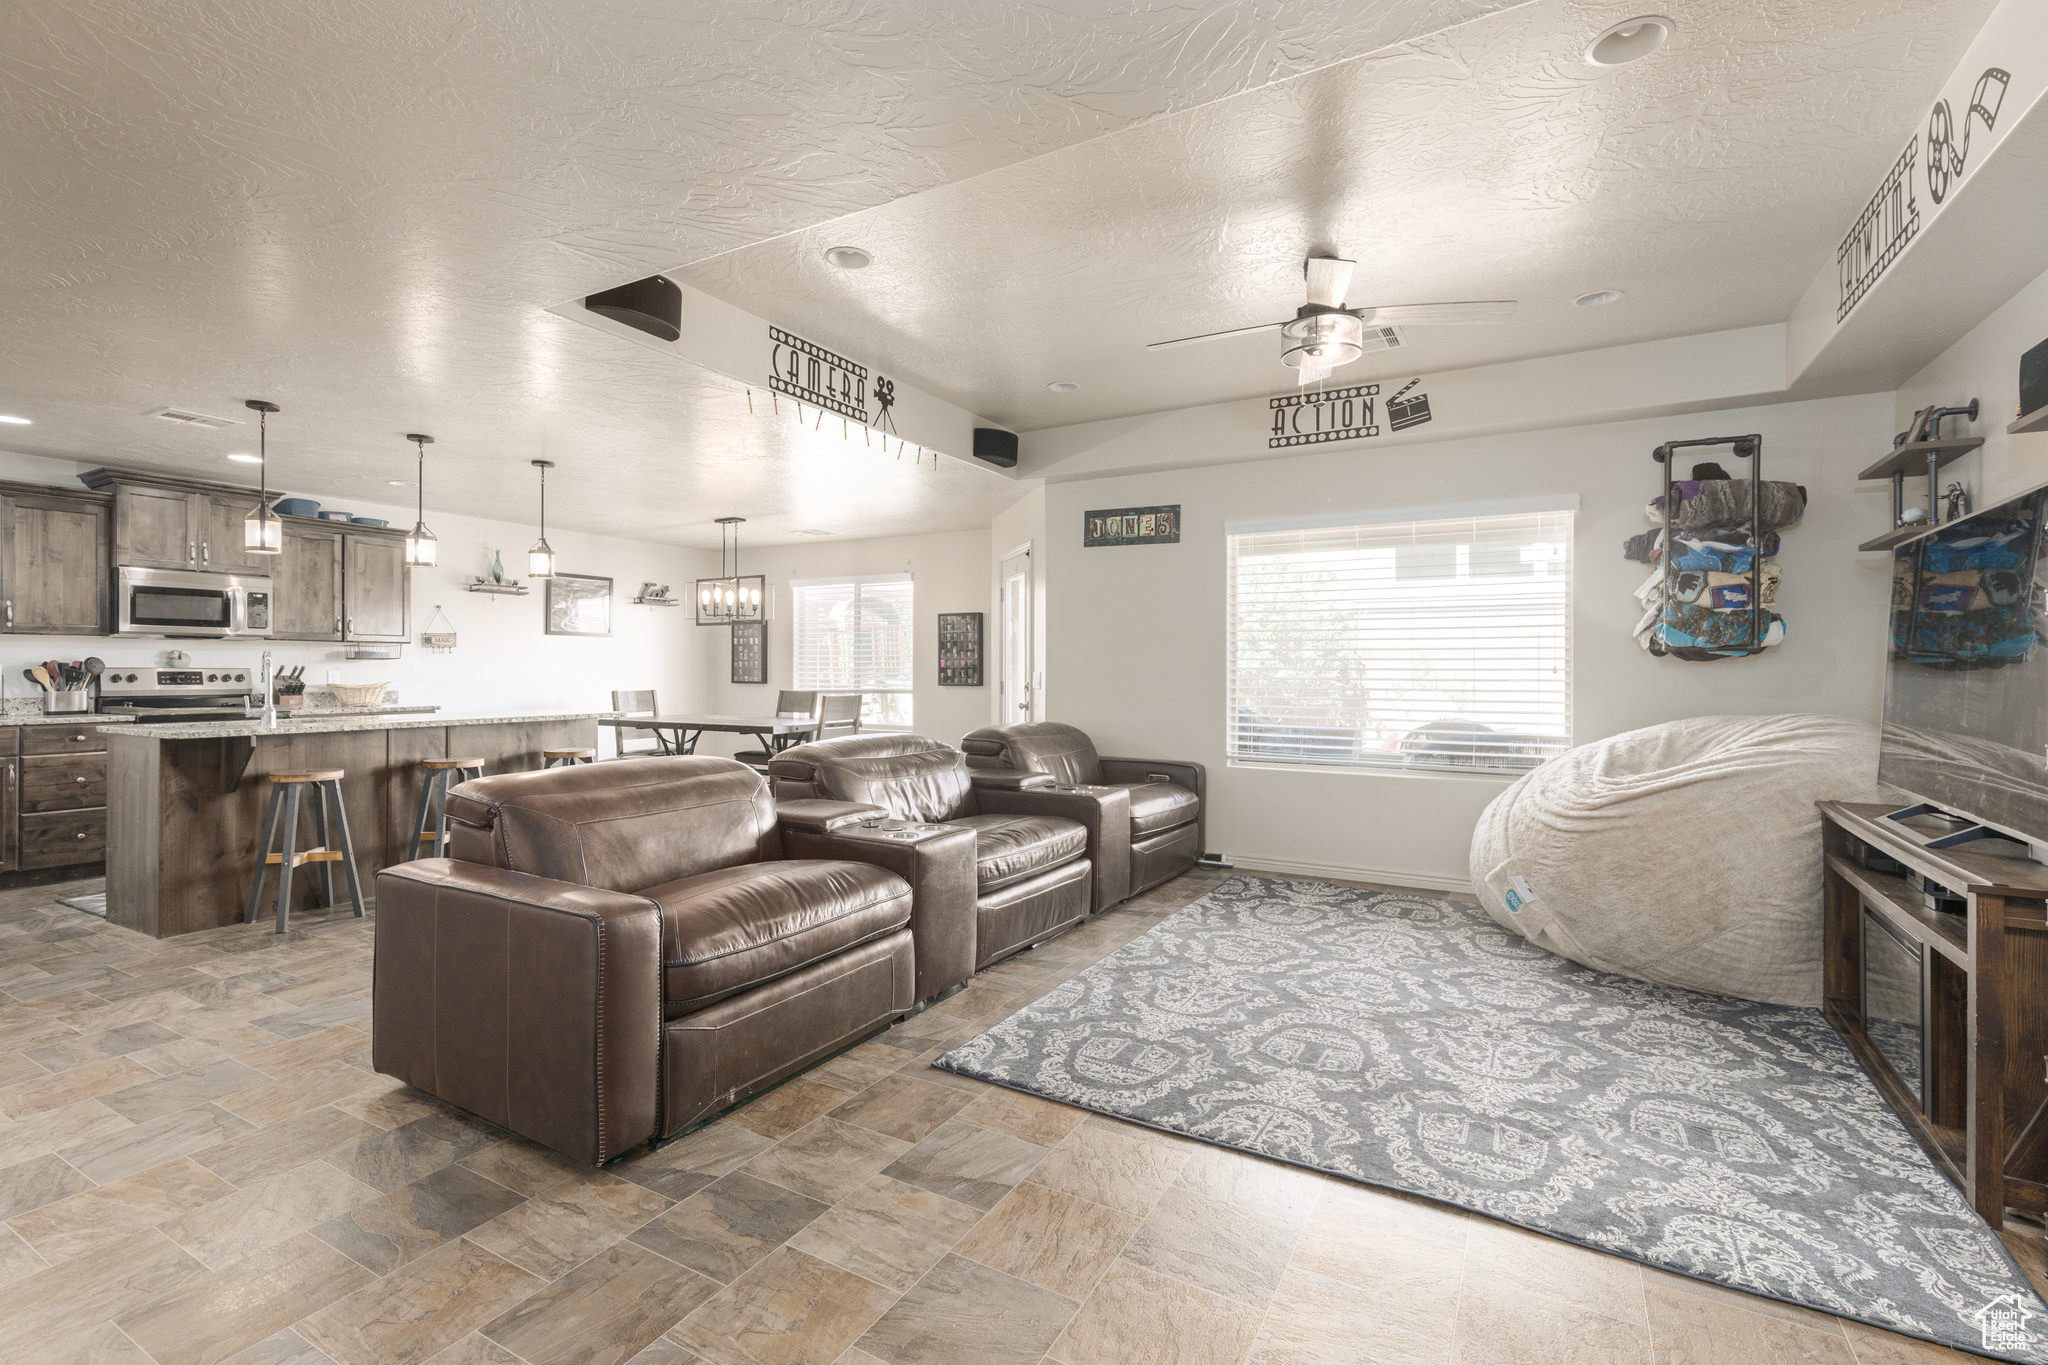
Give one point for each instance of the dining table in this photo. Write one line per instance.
(679, 733)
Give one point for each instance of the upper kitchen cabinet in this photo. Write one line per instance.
(306, 583)
(221, 536)
(155, 528)
(53, 561)
(376, 587)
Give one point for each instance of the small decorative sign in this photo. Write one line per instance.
(1347, 414)
(809, 373)
(579, 604)
(960, 648)
(1403, 413)
(750, 652)
(1132, 526)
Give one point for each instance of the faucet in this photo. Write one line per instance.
(269, 694)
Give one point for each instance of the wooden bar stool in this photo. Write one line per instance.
(565, 757)
(284, 809)
(441, 774)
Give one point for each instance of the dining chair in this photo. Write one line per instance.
(788, 706)
(632, 740)
(838, 715)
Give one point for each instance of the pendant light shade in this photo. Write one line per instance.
(262, 531)
(731, 597)
(540, 560)
(421, 549)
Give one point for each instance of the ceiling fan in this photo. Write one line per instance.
(1324, 334)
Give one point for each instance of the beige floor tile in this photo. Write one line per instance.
(250, 1301)
(827, 1159)
(301, 1090)
(18, 1260)
(402, 1155)
(902, 1107)
(265, 1212)
(38, 1181)
(686, 1165)
(850, 1072)
(393, 1109)
(1279, 1191)
(1383, 1242)
(608, 1309)
(1115, 1166)
(160, 1095)
(560, 1228)
(1021, 1115)
(728, 1227)
(1873, 1347)
(1699, 1329)
(888, 1232)
(251, 1155)
(183, 1055)
(1667, 1283)
(1503, 1256)
(1508, 1325)
(280, 1348)
(53, 1305)
(1225, 1248)
(1137, 1316)
(965, 1313)
(133, 1149)
(422, 1309)
(105, 1344)
(56, 1129)
(788, 1107)
(391, 1230)
(1051, 1239)
(1316, 1321)
(976, 1166)
(476, 1349)
(792, 1309)
(85, 1081)
(90, 1221)
(517, 1164)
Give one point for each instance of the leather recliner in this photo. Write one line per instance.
(1166, 795)
(1035, 864)
(615, 952)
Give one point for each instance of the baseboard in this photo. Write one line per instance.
(1421, 881)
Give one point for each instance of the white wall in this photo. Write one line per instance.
(950, 572)
(1136, 642)
(1985, 365)
(503, 660)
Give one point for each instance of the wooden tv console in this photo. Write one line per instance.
(1982, 1112)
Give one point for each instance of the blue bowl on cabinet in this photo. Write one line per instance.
(297, 507)
(369, 521)
(331, 515)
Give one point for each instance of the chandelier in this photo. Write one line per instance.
(731, 598)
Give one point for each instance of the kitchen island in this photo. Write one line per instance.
(185, 801)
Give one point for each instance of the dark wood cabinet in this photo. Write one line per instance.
(376, 588)
(56, 811)
(221, 536)
(306, 584)
(10, 801)
(54, 576)
(155, 528)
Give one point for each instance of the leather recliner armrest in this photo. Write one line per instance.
(815, 815)
(1006, 779)
(942, 875)
(1105, 811)
(1193, 776)
(533, 1003)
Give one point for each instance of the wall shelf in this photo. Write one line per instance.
(1897, 536)
(1912, 457)
(2037, 420)
(500, 589)
(657, 601)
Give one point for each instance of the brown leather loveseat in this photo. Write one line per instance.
(1041, 859)
(615, 952)
(1166, 795)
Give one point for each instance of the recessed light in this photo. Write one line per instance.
(15, 421)
(849, 257)
(246, 459)
(1597, 297)
(810, 533)
(1064, 386)
(1631, 41)
(399, 483)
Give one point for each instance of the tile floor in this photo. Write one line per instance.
(196, 1166)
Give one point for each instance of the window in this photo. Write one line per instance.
(1436, 644)
(853, 635)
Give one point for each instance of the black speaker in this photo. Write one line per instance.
(653, 305)
(997, 447)
(2033, 381)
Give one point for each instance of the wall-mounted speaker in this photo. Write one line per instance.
(653, 305)
(995, 446)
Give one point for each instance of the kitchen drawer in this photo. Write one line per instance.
(63, 837)
(63, 739)
(63, 782)
(10, 740)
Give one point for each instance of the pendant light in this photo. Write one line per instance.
(262, 532)
(420, 546)
(540, 560)
(730, 598)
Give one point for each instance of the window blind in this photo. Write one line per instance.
(1408, 645)
(854, 635)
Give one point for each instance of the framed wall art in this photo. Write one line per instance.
(960, 648)
(750, 652)
(579, 604)
(1132, 526)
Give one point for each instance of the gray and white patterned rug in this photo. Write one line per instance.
(1410, 1043)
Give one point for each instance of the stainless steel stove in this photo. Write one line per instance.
(185, 693)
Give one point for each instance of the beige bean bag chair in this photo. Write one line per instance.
(1687, 853)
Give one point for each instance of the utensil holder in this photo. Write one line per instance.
(66, 703)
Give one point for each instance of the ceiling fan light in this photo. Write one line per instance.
(1323, 341)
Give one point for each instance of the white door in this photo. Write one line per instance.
(1016, 638)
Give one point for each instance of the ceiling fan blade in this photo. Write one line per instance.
(1437, 314)
(1211, 336)
(1328, 278)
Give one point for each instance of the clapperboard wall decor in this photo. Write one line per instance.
(960, 649)
(1132, 526)
(750, 652)
(1410, 411)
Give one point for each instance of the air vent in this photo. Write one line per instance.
(810, 533)
(185, 417)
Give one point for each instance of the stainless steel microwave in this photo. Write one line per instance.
(181, 602)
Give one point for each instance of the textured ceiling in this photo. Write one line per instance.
(1488, 161)
(361, 210)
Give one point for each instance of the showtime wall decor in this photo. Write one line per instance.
(1132, 526)
(579, 604)
(960, 649)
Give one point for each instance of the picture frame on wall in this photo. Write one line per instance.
(960, 648)
(579, 604)
(750, 652)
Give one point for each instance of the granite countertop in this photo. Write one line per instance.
(77, 718)
(327, 723)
